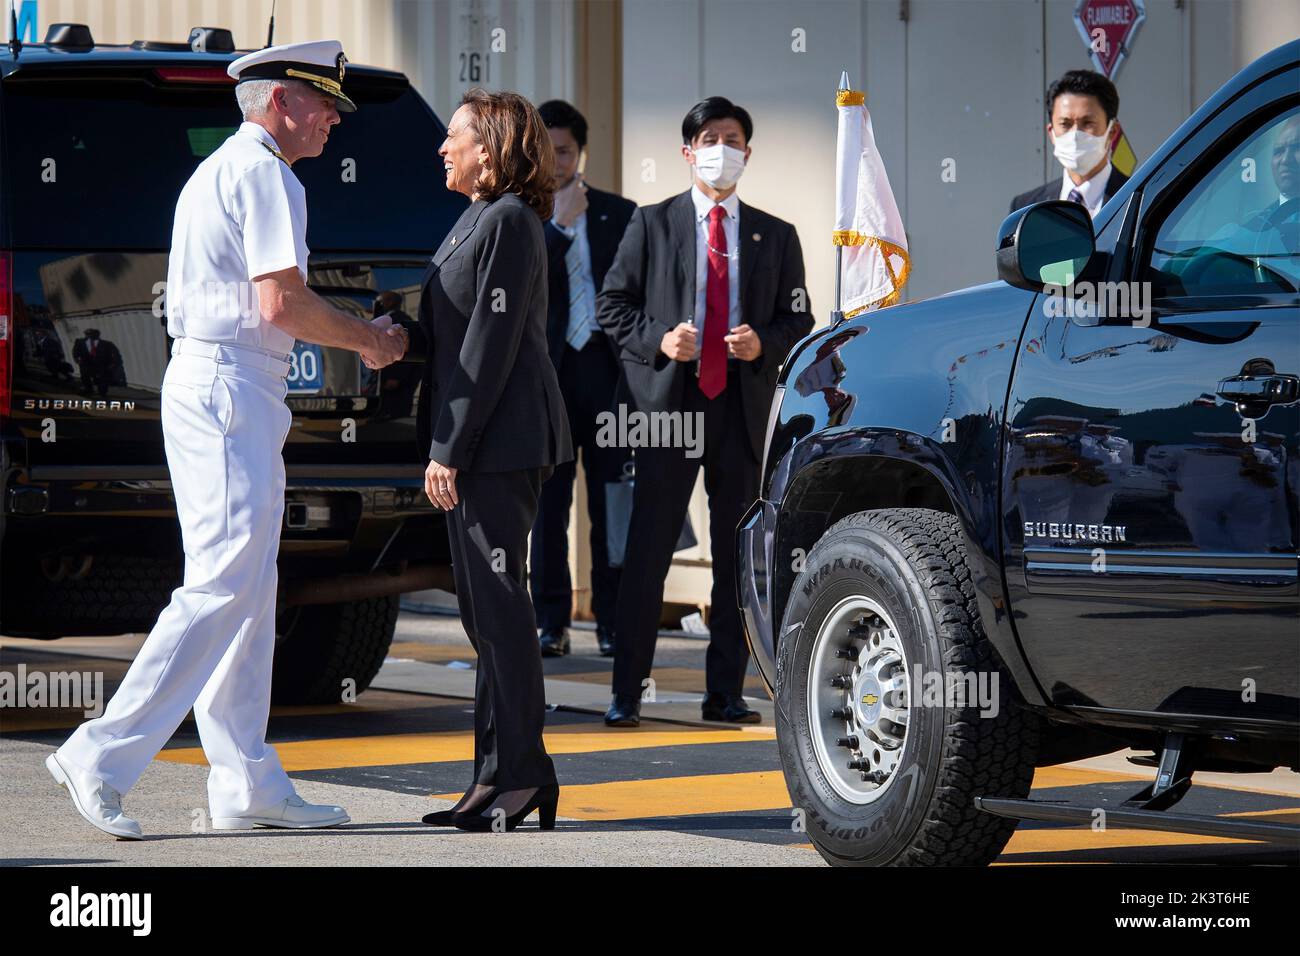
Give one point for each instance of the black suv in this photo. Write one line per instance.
(1049, 517)
(95, 144)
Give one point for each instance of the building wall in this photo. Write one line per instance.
(1258, 26)
(959, 80)
(366, 28)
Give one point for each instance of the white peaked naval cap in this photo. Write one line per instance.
(319, 62)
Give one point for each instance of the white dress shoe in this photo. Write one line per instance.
(291, 812)
(96, 801)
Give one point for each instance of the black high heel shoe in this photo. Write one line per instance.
(545, 801)
(447, 818)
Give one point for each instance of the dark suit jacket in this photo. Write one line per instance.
(1052, 190)
(607, 217)
(650, 288)
(489, 399)
(106, 363)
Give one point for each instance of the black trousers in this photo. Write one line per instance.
(665, 478)
(488, 532)
(587, 382)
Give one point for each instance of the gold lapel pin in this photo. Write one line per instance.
(757, 237)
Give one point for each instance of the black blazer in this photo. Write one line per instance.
(607, 217)
(1052, 190)
(106, 362)
(489, 399)
(651, 287)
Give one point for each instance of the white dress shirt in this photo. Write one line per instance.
(730, 227)
(242, 214)
(1092, 190)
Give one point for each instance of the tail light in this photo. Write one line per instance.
(6, 333)
(194, 74)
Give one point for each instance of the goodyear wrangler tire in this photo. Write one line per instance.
(319, 646)
(885, 608)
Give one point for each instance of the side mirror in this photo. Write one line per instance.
(1048, 242)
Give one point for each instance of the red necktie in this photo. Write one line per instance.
(717, 310)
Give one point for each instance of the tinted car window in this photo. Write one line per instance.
(1238, 230)
(100, 162)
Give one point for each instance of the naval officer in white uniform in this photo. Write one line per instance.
(236, 301)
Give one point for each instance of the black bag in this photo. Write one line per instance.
(618, 518)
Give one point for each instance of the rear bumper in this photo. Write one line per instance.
(352, 516)
(147, 490)
(755, 539)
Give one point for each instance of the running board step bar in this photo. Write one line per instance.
(1277, 833)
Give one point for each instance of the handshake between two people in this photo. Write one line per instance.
(390, 343)
(285, 301)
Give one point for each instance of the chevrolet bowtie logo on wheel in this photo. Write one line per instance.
(870, 699)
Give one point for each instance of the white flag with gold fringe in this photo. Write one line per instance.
(875, 262)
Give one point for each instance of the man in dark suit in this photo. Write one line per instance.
(100, 363)
(704, 300)
(1081, 110)
(582, 236)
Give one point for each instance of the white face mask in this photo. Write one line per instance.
(1079, 151)
(720, 166)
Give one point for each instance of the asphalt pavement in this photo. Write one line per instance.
(675, 791)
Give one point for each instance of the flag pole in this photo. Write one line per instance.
(837, 315)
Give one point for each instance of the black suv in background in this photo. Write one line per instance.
(1007, 527)
(95, 144)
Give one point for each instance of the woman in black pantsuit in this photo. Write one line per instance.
(493, 424)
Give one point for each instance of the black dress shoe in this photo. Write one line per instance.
(439, 818)
(605, 638)
(554, 641)
(624, 711)
(544, 800)
(731, 710)
(448, 817)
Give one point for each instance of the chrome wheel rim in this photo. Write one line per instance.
(858, 699)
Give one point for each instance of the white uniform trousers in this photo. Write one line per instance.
(224, 426)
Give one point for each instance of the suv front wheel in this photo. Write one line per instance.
(892, 711)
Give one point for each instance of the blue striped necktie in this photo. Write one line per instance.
(582, 300)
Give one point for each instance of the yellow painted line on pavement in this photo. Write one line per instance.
(1283, 815)
(1062, 839)
(383, 750)
(1046, 778)
(671, 796)
(26, 719)
(1243, 783)
(432, 653)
